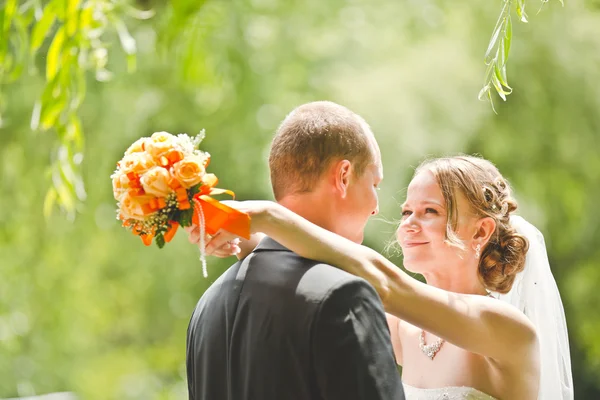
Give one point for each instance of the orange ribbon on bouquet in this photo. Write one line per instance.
(217, 215)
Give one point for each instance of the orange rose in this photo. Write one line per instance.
(120, 184)
(137, 147)
(138, 163)
(189, 171)
(156, 182)
(131, 207)
(159, 144)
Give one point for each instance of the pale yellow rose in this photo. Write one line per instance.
(159, 144)
(131, 207)
(138, 163)
(137, 147)
(189, 171)
(156, 182)
(120, 183)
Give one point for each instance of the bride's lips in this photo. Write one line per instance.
(414, 244)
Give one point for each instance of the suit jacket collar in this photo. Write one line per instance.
(268, 244)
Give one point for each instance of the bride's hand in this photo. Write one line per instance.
(226, 244)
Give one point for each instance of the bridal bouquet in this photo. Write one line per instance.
(161, 183)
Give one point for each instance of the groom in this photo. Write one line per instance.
(276, 326)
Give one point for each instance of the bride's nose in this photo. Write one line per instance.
(409, 224)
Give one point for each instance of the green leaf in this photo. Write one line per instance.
(74, 131)
(127, 41)
(15, 66)
(51, 111)
(489, 95)
(184, 217)
(193, 191)
(500, 74)
(54, 53)
(139, 14)
(483, 92)
(498, 86)
(72, 16)
(49, 201)
(35, 115)
(80, 85)
(521, 11)
(507, 40)
(65, 196)
(10, 8)
(41, 29)
(6, 17)
(493, 40)
(160, 240)
(86, 18)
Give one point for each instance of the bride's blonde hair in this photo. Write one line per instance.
(489, 195)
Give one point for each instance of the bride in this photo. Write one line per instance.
(456, 337)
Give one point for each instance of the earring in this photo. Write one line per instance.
(478, 251)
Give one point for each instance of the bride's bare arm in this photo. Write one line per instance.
(475, 323)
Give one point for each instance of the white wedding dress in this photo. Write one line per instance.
(447, 393)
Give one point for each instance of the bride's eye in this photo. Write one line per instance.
(431, 210)
(406, 213)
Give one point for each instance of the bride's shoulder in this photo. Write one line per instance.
(510, 325)
(497, 309)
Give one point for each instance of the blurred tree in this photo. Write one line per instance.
(79, 35)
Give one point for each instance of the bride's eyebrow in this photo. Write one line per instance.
(433, 202)
(426, 202)
(423, 202)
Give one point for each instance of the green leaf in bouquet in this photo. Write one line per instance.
(160, 240)
(184, 217)
(193, 191)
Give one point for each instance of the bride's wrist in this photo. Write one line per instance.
(262, 216)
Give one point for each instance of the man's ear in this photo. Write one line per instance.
(485, 228)
(342, 174)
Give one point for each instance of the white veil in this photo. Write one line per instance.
(535, 293)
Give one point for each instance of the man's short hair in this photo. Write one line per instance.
(309, 139)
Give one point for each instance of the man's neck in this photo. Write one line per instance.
(313, 207)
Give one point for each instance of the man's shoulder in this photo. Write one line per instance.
(319, 280)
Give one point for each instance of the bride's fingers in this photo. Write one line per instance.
(220, 239)
(226, 250)
(226, 253)
(194, 234)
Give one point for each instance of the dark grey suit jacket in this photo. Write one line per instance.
(280, 327)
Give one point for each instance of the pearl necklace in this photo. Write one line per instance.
(430, 350)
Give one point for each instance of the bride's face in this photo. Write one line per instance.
(422, 232)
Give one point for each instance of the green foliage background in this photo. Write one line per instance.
(86, 308)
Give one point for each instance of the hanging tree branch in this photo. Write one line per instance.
(496, 55)
(75, 30)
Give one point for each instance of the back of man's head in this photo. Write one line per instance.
(309, 139)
